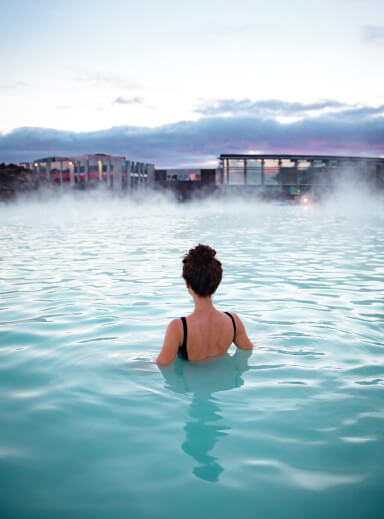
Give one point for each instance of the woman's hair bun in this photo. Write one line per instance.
(202, 254)
(202, 270)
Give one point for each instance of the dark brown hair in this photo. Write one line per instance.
(201, 270)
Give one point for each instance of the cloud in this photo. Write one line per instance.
(217, 30)
(351, 131)
(373, 33)
(125, 101)
(12, 86)
(265, 108)
(99, 79)
(358, 113)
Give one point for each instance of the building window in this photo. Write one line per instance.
(254, 172)
(271, 171)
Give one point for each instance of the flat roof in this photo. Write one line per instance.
(97, 156)
(295, 156)
(52, 159)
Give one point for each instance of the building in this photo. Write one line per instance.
(179, 174)
(293, 174)
(88, 170)
(186, 183)
(203, 176)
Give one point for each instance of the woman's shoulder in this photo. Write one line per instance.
(176, 324)
(238, 322)
(233, 315)
(241, 338)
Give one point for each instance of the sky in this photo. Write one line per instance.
(177, 83)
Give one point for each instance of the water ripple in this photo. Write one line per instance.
(87, 288)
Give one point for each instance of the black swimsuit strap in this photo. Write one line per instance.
(182, 351)
(234, 324)
(184, 321)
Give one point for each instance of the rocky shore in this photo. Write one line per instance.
(15, 179)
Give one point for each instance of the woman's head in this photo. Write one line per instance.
(201, 270)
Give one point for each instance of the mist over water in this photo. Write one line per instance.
(91, 427)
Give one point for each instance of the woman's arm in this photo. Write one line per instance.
(241, 338)
(172, 341)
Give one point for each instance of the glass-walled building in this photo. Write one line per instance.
(55, 169)
(295, 173)
(91, 169)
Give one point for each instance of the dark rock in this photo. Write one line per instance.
(15, 179)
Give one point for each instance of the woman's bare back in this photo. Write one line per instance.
(209, 334)
(206, 332)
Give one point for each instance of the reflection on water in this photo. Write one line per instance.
(206, 424)
(202, 432)
(91, 429)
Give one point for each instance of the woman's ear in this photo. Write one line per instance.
(187, 284)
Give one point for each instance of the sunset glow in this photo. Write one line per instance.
(142, 78)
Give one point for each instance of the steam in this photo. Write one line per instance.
(349, 197)
(354, 197)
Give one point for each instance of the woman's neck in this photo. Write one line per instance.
(203, 304)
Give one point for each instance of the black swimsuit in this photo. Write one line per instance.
(182, 351)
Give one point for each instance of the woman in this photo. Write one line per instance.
(206, 332)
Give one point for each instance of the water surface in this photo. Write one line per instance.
(91, 428)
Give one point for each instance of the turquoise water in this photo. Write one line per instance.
(91, 428)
